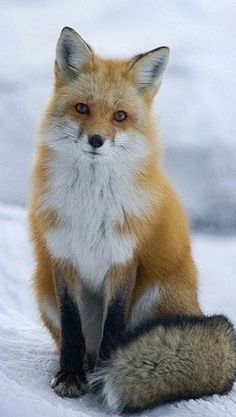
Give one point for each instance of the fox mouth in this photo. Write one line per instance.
(93, 153)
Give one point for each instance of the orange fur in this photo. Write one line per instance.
(162, 254)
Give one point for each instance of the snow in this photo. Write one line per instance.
(27, 356)
(196, 105)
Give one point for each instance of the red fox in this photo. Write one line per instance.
(110, 236)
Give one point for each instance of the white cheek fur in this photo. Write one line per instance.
(91, 197)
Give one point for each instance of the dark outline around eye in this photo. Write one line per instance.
(120, 111)
(82, 112)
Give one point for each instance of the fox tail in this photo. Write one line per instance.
(167, 360)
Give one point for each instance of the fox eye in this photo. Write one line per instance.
(120, 115)
(82, 108)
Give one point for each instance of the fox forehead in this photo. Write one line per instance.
(106, 83)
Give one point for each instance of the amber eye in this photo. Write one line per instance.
(120, 115)
(82, 108)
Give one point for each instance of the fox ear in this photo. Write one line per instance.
(149, 68)
(72, 52)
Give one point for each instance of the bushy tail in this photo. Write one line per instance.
(167, 360)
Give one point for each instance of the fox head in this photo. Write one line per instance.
(102, 108)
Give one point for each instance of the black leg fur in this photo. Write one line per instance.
(69, 381)
(114, 329)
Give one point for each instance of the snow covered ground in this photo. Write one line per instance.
(27, 359)
(196, 105)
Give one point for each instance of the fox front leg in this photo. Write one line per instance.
(115, 326)
(116, 321)
(70, 380)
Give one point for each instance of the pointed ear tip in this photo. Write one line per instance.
(67, 30)
(165, 49)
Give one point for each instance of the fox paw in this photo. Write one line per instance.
(66, 384)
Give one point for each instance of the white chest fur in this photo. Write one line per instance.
(91, 198)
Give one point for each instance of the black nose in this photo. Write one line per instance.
(96, 141)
